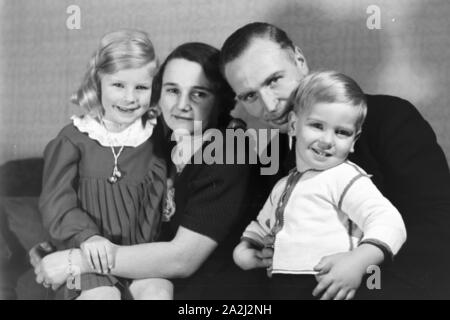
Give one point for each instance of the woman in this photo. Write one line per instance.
(193, 97)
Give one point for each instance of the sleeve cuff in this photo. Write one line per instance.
(256, 242)
(388, 255)
(83, 236)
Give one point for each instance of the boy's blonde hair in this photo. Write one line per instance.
(118, 50)
(329, 87)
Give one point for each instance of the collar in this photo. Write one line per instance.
(133, 136)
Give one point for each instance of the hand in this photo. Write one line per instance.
(53, 269)
(339, 276)
(39, 251)
(100, 253)
(266, 254)
(247, 257)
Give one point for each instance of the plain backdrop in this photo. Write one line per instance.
(42, 60)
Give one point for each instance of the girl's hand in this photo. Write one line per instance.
(339, 276)
(100, 253)
(53, 269)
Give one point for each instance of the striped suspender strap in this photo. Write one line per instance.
(294, 177)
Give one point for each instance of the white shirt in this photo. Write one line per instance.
(318, 215)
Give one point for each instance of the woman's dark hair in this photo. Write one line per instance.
(208, 58)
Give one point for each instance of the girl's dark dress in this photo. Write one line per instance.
(77, 201)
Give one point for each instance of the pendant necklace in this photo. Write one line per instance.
(116, 173)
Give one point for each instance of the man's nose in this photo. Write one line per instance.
(268, 100)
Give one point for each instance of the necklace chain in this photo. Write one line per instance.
(116, 174)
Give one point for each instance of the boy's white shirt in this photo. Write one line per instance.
(314, 225)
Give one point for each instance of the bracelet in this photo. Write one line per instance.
(70, 269)
(73, 280)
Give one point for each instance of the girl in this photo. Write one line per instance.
(104, 174)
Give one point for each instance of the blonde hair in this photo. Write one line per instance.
(118, 50)
(329, 87)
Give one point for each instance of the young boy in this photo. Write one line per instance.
(328, 220)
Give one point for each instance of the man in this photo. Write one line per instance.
(397, 146)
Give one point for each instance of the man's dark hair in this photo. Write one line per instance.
(239, 40)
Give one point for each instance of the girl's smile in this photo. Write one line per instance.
(126, 110)
(125, 94)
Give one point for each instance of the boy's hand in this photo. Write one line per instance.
(100, 253)
(266, 253)
(339, 276)
(247, 257)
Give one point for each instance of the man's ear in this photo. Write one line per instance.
(292, 124)
(301, 61)
(358, 134)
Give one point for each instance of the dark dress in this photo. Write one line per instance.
(78, 202)
(212, 200)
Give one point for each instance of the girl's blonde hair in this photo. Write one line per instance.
(329, 87)
(118, 50)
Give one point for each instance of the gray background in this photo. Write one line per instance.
(42, 61)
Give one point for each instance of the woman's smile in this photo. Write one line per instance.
(179, 117)
(187, 99)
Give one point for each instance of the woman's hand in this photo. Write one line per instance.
(340, 274)
(39, 251)
(100, 253)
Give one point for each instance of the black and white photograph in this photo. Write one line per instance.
(244, 150)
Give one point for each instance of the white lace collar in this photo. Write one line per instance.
(133, 136)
